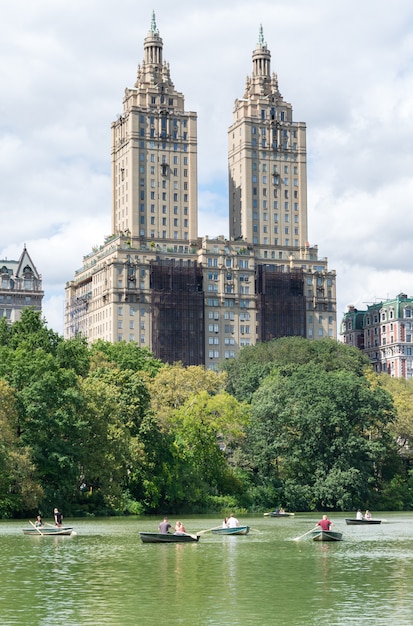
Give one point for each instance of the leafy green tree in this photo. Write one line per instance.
(125, 356)
(32, 332)
(402, 394)
(51, 425)
(254, 363)
(202, 427)
(174, 384)
(18, 489)
(104, 451)
(322, 435)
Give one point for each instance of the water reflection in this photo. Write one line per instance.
(105, 575)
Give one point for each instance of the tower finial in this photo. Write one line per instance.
(261, 41)
(154, 28)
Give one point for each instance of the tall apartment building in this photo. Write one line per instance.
(199, 300)
(384, 332)
(20, 287)
(154, 155)
(267, 163)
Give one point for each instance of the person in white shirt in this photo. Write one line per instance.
(359, 514)
(232, 521)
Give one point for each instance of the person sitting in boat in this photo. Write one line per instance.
(58, 517)
(180, 528)
(325, 523)
(232, 521)
(367, 515)
(225, 523)
(38, 523)
(164, 526)
(359, 514)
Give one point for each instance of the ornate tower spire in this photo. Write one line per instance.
(153, 45)
(154, 28)
(261, 61)
(261, 41)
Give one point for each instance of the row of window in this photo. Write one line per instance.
(228, 354)
(164, 221)
(175, 121)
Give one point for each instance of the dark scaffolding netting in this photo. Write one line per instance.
(177, 312)
(281, 304)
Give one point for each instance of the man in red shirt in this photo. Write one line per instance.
(325, 523)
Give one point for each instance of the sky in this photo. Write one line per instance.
(346, 68)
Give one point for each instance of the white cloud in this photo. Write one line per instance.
(346, 68)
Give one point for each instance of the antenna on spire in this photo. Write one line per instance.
(154, 29)
(261, 41)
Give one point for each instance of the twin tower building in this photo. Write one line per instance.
(195, 299)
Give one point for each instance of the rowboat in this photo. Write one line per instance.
(354, 521)
(278, 514)
(326, 535)
(237, 530)
(48, 531)
(167, 538)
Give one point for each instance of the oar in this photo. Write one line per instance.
(207, 530)
(255, 530)
(193, 536)
(36, 527)
(340, 530)
(307, 533)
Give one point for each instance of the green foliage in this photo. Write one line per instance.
(31, 332)
(175, 384)
(321, 432)
(18, 489)
(125, 356)
(110, 430)
(254, 363)
(402, 394)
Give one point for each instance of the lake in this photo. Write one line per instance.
(106, 575)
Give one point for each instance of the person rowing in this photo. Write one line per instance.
(325, 523)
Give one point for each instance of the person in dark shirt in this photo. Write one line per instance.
(58, 517)
(164, 526)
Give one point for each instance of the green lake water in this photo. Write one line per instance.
(105, 575)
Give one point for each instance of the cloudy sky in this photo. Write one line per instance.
(347, 69)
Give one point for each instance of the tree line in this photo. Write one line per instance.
(107, 429)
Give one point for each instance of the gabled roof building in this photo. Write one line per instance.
(20, 287)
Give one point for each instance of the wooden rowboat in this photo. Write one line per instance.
(326, 535)
(353, 521)
(237, 530)
(48, 531)
(278, 514)
(167, 538)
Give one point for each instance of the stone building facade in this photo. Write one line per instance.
(195, 299)
(20, 287)
(384, 332)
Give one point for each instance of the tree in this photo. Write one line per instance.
(202, 427)
(254, 363)
(322, 435)
(174, 384)
(104, 451)
(402, 394)
(18, 488)
(126, 356)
